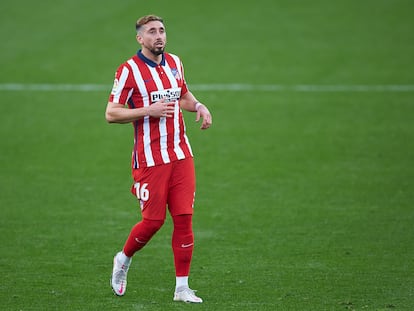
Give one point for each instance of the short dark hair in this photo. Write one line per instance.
(146, 19)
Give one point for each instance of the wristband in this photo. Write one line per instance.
(197, 105)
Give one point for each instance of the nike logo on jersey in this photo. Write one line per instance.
(139, 241)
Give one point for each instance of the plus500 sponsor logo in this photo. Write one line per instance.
(170, 95)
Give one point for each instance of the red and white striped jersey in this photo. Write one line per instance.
(139, 82)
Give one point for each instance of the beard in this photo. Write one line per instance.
(157, 51)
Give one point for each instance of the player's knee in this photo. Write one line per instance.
(153, 225)
(183, 237)
(183, 223)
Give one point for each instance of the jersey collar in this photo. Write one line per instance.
(150, 62)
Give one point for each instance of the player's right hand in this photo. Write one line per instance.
(162, 108)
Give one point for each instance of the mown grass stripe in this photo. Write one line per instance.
(236, 87)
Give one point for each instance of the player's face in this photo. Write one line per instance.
(152, 37)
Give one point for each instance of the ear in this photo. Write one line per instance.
(139, 39)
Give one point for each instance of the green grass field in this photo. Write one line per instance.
(305, 194)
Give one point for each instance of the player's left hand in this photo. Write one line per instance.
(204, 113)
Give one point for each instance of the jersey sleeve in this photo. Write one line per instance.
(184, 88)
(122, 88)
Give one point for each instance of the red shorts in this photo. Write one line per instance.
(171, 185)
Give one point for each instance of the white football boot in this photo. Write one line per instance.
(119, 277)
(187, 295)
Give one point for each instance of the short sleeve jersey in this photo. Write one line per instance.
(140, 82)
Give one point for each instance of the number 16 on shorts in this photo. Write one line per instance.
(141, 192)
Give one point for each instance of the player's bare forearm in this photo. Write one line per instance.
(117, 113)
(190, 103)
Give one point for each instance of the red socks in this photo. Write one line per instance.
(182, 244)
(140, 235)
(182, 240)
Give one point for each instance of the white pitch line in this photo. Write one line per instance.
(53, 87)
(235, 87)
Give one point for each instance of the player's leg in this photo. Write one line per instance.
(180, 203)
(183, 245)
(139, 236)
(150, 187)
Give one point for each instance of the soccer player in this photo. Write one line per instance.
(150, 92)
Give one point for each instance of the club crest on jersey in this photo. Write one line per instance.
(170, 95)
(176, 73)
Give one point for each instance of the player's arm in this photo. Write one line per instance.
(190, 103)
(118, 113)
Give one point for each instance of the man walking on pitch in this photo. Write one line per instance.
(152, 85)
